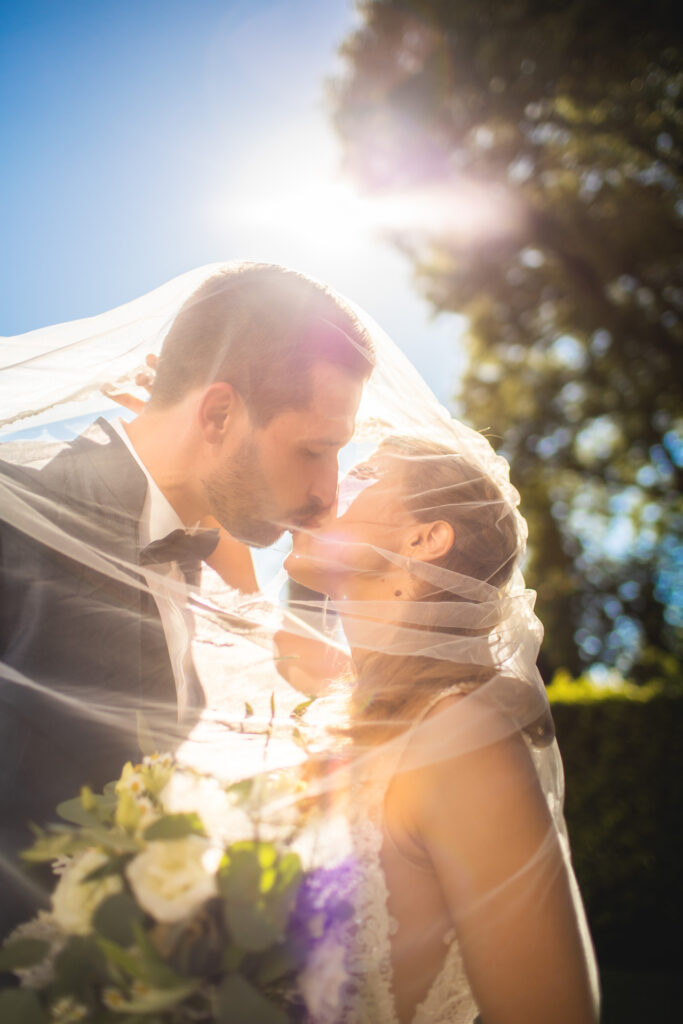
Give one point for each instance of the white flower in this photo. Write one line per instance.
(132, 780)
(67, 1010)
(276, 801)
(147, 811)
(140, 991)
(161, 760)
(74, 901)
(171, 878)
(322, 979)
(113, 998)
(186, 792)
(45, 928)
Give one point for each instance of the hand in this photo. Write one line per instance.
(308, 664)
(143, 379)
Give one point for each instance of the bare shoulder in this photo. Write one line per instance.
(461, 731)
(467, 754)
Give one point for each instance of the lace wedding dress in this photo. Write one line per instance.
(369, 997)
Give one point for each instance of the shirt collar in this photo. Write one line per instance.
(158, 517)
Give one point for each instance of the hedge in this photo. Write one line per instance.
(621, 748)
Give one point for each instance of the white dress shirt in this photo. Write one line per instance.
(165, 581)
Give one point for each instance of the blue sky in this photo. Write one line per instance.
(145, 137)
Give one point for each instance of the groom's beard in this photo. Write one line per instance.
(240, 499)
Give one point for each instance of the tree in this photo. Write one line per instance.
(543, 142)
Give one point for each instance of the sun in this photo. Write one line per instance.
(291, 187)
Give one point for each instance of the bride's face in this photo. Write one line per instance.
(345, 554)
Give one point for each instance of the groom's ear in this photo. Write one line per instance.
(217, 406)
(428, 542)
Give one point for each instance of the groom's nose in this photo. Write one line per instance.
(323, 492)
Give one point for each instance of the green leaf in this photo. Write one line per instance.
(276, 963)
(143, 962)
(232, 957)
(238, 1002)
(241, 875)
(161, 999)
(22, 953)
(299, 739)
(116, 917)
(282, 895)
(88, 799)
(300, 710)
(20, 1006)
(127, 813)
(128, 962)
(175, 826)
(113, 839)
(79, 964)
(74, 812)
(157, 970)
(241, 789)
(113, 866)
(49, 847)
(267, 854)
(250, 925)
(289, 870)
(268, 879)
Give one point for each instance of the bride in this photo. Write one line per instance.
(466, 900)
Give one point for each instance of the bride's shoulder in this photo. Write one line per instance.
(462, 743)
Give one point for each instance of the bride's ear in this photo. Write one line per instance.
(429, 542)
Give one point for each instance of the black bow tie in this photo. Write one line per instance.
(185, 547)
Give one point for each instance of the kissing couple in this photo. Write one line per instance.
(467, 903)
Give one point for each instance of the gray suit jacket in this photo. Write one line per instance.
(93, 645)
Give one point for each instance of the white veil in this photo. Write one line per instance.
(480, 634)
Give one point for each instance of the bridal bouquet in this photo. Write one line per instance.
(179, 899)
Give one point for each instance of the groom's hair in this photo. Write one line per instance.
(259, 327)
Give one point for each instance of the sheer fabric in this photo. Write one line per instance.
(460, 627)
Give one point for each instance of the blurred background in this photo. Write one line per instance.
(499, 185)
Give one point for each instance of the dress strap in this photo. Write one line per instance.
(449, 691)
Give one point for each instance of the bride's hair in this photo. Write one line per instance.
(441, 484)
(260, 327)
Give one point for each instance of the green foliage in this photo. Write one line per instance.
(175, 826)
(238, 1002)
(227, 954)
(20, 1007)
(549, 138)
(117, 918)
(22, 953)
(259, 888)
(624, 804)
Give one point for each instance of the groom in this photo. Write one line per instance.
(257, 387)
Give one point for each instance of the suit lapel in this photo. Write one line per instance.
(115, 468)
